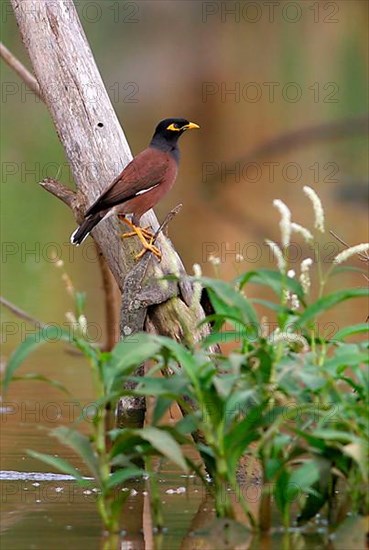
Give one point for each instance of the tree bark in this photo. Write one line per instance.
(97, 151)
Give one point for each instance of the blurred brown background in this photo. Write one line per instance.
(247, 72)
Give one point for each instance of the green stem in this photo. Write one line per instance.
(106, 498)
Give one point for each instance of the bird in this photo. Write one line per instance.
(140, 186)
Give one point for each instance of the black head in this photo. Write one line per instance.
(168, 131)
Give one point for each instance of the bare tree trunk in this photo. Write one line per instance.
(96, 148)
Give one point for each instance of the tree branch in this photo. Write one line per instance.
(96, 148)
(20, 69)
(66, 195)
(21, 313)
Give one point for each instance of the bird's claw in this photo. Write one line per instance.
(146, 237)
(149, 247)
(146, 232)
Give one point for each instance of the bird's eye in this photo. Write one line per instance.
(174, 127)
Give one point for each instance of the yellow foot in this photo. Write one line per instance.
(149, 247)
(146, 237)
(146, 232)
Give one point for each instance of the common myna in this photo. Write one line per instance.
(141, 185)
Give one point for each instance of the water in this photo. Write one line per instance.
(44, 510)
(47, 510)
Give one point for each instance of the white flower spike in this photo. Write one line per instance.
(281, 262)
(285, 223)
(305, 275)
(346, 254)
(317, 206)
(305, 233)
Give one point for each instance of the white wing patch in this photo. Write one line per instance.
(143, 191)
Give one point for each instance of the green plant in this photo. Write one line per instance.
(290, 410)
(245, 399)
(290, 398)
(110, 456)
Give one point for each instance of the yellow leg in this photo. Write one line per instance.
(146, 237)
(147, 245)
(146, 232)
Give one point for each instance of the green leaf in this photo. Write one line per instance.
(117, 504)
(120, 476)
(315, 442)
(44, 335)
(129, 354)
(229, 297)
(134, 350)
(327, 302)
(163, 442)
(167, 387)
(281, 491)
(350, 331)
(189, 362)
(272, 466)
(187, 424)
(239, 403)
(226, 336)
(211, 406)
(274, 280)
(60, 464)
(127, 443)
(161, 406)
(245, 431)
(320, 491)
(346, 355)
(305, 476)
(270, 305)
(224, 384)
(82, 446)
(334, 435)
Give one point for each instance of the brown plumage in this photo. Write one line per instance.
(142, 183)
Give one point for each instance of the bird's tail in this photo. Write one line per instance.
(82, 232)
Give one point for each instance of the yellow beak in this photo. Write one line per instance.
(191, 126)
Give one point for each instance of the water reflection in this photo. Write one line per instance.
(47, 510)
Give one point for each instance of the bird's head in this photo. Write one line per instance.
(170, 129)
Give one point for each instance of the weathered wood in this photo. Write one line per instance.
(97, 151)
(85, 121)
